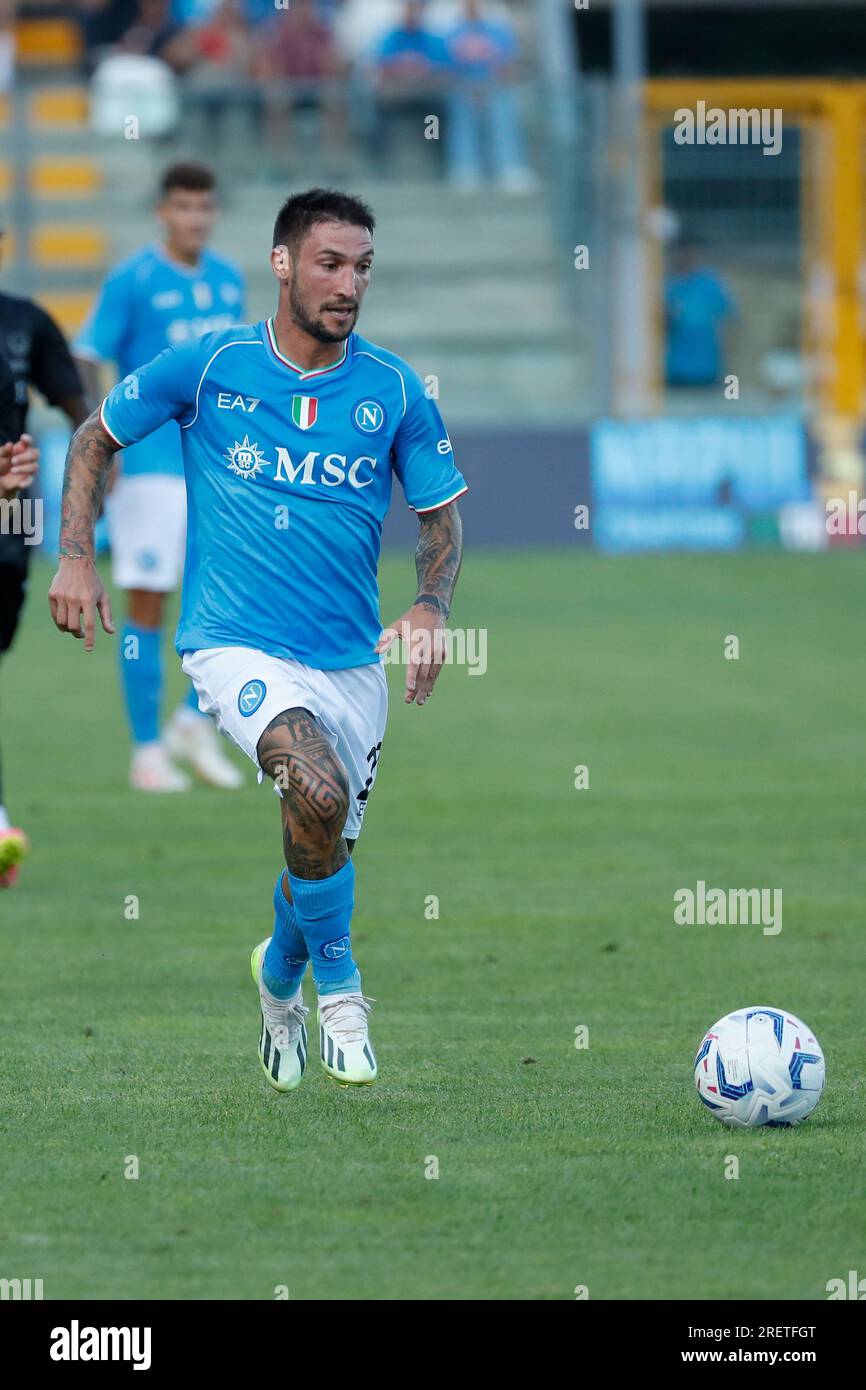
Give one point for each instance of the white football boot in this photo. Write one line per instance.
(283, 1039)
(153, 771)
(195, 741)
(345, 1044)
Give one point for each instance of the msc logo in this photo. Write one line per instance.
(245, 460)
(251, 697)
(369, 417)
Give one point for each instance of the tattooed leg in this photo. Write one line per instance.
(314, 790)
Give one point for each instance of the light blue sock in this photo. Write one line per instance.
(141, 680)
(287, 955)
(323, 910)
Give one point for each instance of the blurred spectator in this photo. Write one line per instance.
(103, 23)
(152, 31)
(297, 62)
(216, 55)
(409, 71)
(698, 305)
(483, 52)
(7, 43)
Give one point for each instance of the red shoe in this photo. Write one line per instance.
(14, 845)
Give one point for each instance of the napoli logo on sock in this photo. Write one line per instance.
(251, 697)
(335, 950)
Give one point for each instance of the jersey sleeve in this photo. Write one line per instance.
(52, 369)
(101, 339)
(423, 458)
(162, 390)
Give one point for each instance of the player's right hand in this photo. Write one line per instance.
(76, 595)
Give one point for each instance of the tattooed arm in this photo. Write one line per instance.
(437, 564)
(76, 594)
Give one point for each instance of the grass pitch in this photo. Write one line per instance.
(557, 1167)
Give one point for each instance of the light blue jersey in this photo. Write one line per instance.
(288, 478)
(150, 302)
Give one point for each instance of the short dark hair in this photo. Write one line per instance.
(188, 175)
(303, 211)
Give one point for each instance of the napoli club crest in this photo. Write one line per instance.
(251, 697)
(369, 417)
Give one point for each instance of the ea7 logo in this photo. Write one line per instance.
(226, 401)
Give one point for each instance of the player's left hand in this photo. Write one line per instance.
(422, 630)
(19, 464)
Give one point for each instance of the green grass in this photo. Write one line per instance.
(557, 1167)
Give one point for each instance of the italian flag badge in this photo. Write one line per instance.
(305, 410)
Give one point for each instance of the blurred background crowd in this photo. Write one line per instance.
(354, 68)
(549, 254)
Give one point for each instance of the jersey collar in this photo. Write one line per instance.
(287, 361)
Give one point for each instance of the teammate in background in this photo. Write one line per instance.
(33, 352)
(291, 432)
(166, 295)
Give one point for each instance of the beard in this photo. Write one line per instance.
(316, 327)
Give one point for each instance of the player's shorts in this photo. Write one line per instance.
(13, 587)
(246, 689)
(146, 516)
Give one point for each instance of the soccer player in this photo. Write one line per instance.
(292, 429)
(166, 295)
(19, 462)
(34, 353)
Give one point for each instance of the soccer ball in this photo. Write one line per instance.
(760, 1066)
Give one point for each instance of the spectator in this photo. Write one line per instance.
(217, 55)
(297, 62)
(698, 304)
(152, 32)
(483, 53)
(410, 71)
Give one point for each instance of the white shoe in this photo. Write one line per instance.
(195, 741)
(283, 1039)
(153, 771)
(346, 1052)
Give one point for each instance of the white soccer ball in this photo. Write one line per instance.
(760, 1066)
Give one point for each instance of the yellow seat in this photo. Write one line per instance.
(64, 178)
(47, 42)
(58, 106)
(62, 244)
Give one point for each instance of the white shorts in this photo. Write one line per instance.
(146, 517)
(246, 689)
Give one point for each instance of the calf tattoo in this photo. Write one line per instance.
(314, 789)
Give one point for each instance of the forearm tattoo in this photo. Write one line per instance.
(439, 555)
(88, 464)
